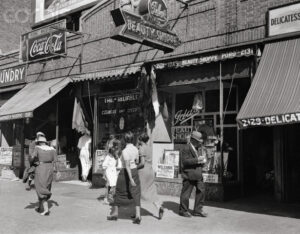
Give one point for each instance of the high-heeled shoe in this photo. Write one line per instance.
(161, 212)
(45, 213)
(137, 221)
(112, 218)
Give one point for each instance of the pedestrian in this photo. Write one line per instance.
(47, 158)
(29, 172)
(112, 165)
(193, 157)
(146, 174)
(84, 145)
(128, 183)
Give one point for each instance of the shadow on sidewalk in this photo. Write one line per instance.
(260, 204)
(34, 205)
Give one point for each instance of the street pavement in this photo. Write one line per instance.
(77, 208)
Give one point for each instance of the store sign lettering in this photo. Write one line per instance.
(207, 58)
(284, 20)
(12, 76)
(270, 120)
(52, 44)
(149, 27)
(184, 115)
(181, 133)
(44, 43)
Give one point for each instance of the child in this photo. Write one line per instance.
(111, 165)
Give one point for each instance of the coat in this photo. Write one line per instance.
(190, 167)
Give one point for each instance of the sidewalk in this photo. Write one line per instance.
(75, 208)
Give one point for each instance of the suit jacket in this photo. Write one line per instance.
(190, 168)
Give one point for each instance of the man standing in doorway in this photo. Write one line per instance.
(193, 157)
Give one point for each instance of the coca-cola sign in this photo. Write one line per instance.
(44, 43)
(48, 45)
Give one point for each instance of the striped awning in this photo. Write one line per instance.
(274, 95)
(33, 95)
(111, 73)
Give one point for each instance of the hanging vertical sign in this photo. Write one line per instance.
(44, 43)
(145, 22)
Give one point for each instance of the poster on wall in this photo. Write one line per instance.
(47, 10)
(98, 160)
(210, 178)
(6, 154)
(165, 171)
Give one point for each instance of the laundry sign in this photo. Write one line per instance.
(12, 76)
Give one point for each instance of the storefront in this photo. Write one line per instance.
(40, 106)
(272, 106)
(115, 96)
(12, 79)
(190, 91)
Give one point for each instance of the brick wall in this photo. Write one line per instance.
(206, 25)
(14, 21)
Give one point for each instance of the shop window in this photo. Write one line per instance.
(117, 114)
(212, 99)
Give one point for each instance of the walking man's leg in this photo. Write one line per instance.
(187, 188)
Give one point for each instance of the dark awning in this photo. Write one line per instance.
(33, 95)
(109, 73)
(274, 95)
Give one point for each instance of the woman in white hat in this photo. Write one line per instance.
(46, 156)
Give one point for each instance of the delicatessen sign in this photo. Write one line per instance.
(43, 43)
(270, 120)
(284, 20)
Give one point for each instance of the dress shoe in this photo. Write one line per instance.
(137, 221)
(132, 216)
(112, 218)
(45, 213)
(161, 213)
(185, 214)
(200, 214)
(38, 210)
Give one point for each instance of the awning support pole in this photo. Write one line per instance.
(221, 121)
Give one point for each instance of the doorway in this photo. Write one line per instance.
(258, 163)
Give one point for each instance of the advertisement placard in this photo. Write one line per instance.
(165, 171)
(44, 43)
(6, 154)
(210, 178)
(47, 10)
(98, 160)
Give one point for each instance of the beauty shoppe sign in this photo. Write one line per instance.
(44, 43)
(145, 22)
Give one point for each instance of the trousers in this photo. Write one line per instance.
(187, 188)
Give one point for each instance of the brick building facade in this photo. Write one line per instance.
(205, 28)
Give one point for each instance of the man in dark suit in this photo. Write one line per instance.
(193, 157)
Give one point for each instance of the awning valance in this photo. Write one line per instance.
(33, 95)
(117, 72)
(274, 95)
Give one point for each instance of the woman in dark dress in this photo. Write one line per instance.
(128, 183)
(46, 156)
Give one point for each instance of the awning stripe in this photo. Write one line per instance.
(120, 72)
(275, 91)
(33, 95)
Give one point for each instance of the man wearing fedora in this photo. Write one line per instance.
(193, 157)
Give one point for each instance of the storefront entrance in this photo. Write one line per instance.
(258, 161)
